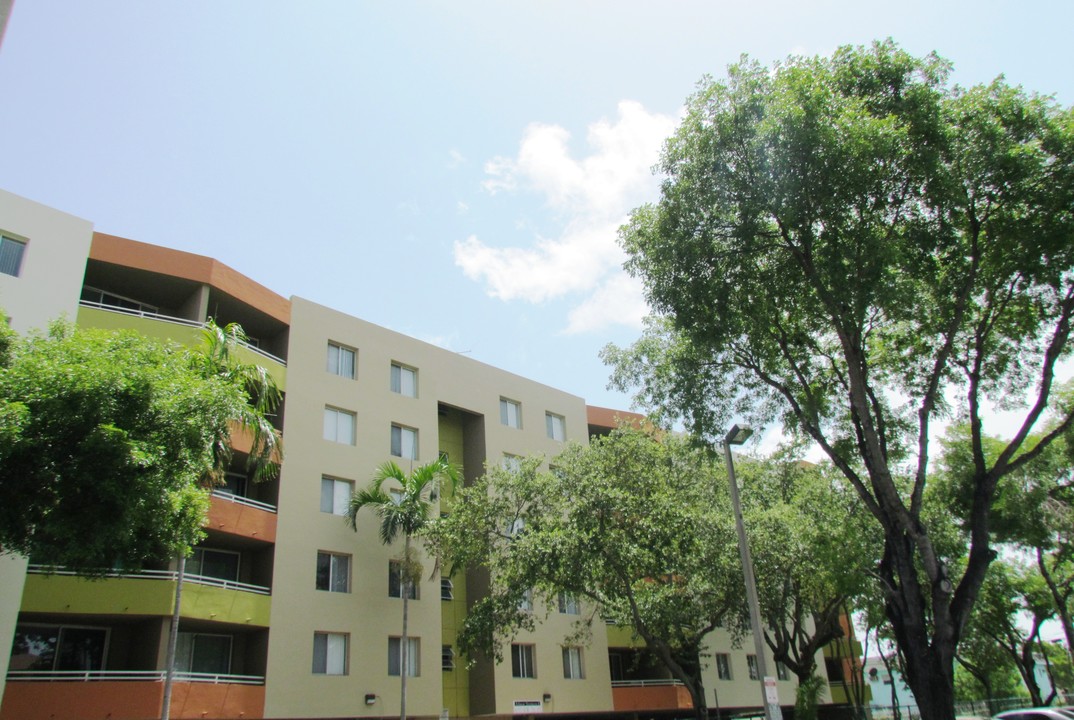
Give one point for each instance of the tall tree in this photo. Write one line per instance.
(111, 440)
(403, 502)
(639, 527)
(849, 244)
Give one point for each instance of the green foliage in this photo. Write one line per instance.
(110, 440)
(849, 244)
(807, 696)
(638, 526)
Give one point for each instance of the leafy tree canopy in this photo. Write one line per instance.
(855, 247)
(109, 441)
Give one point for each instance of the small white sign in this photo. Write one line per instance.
(771, 693)
(528, 707)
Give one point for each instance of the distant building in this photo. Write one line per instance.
(286, 611)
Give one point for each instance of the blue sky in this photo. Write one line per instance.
(451, 170)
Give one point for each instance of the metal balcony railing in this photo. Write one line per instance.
(161, 575)
(130, 676)
(663, 682)
(231, 497)
(173, 320)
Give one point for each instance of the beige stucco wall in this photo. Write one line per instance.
(53, 263)
(48, 286)
(366, 614)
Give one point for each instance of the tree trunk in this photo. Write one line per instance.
(173, 640)
(1060, 599)
(403, 654)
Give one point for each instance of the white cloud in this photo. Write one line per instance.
(455, 158)
(462, 207)
(590, 198)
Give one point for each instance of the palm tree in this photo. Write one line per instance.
(403, 510)
(263, 397)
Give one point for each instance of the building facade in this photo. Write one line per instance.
(287, 612)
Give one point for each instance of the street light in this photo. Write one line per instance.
(769, 696)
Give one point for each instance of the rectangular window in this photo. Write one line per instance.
(556, 425)
(723, 666)
(522, 665)
(117, 302)
(55, 647)
(395, 581)
(203, 653)
(447, 658)
(339, 426)
(751, 662)
(510, 413)
(329, 654)
(572, 663)
(781, 671)
(404, 380)
(404, 442)
(333, 572)
(413, 656)
(511, 463)
(218, 564)
(447, 589)
(341, 360)
(526, 603)
(11, 251)
(335, 495)
(568, 603)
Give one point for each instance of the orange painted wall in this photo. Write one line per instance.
(661, 697)
(128, 701)
(238, 519)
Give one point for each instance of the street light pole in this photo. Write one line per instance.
(769, 697)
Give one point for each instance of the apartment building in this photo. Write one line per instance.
(287, 612)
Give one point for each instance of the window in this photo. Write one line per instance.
(413, 656)
(329, 654)
(341, 360)
(55, 647)
(333, 572)
(512, 463)
(447, 657)
(203, 653)
(522, 665)
(447, 589)
(234, 483)
(404, 380)
(526, 603)
(339, 426)
(404, 442)
(556, 425)
(335, 495)
(751, 662)
(395, 581)
(781, 671)
(219, 564)
(510, 413)
(11, 251)
(723, 666)
(572, 663)
(568, 603)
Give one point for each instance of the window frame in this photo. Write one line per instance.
(413, 656)
(60, 630)
(396, 384)
(506, 407)
(751, 667)
(568, 604)
(200, 564)
(326, 665)
(447, 589)
(335, 412)
(573, 663)
(447, 658)
(523, 661)
(552, 422)
(336, 367)
(395, 582)
(333, 559)
(19, 255)
(184, 656)
(782, 671)
(401, 431)
(333, 496)
(723, 666)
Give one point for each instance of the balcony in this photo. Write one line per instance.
(237, 515)
(129, 695)
(634, 695)
(146, 592)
